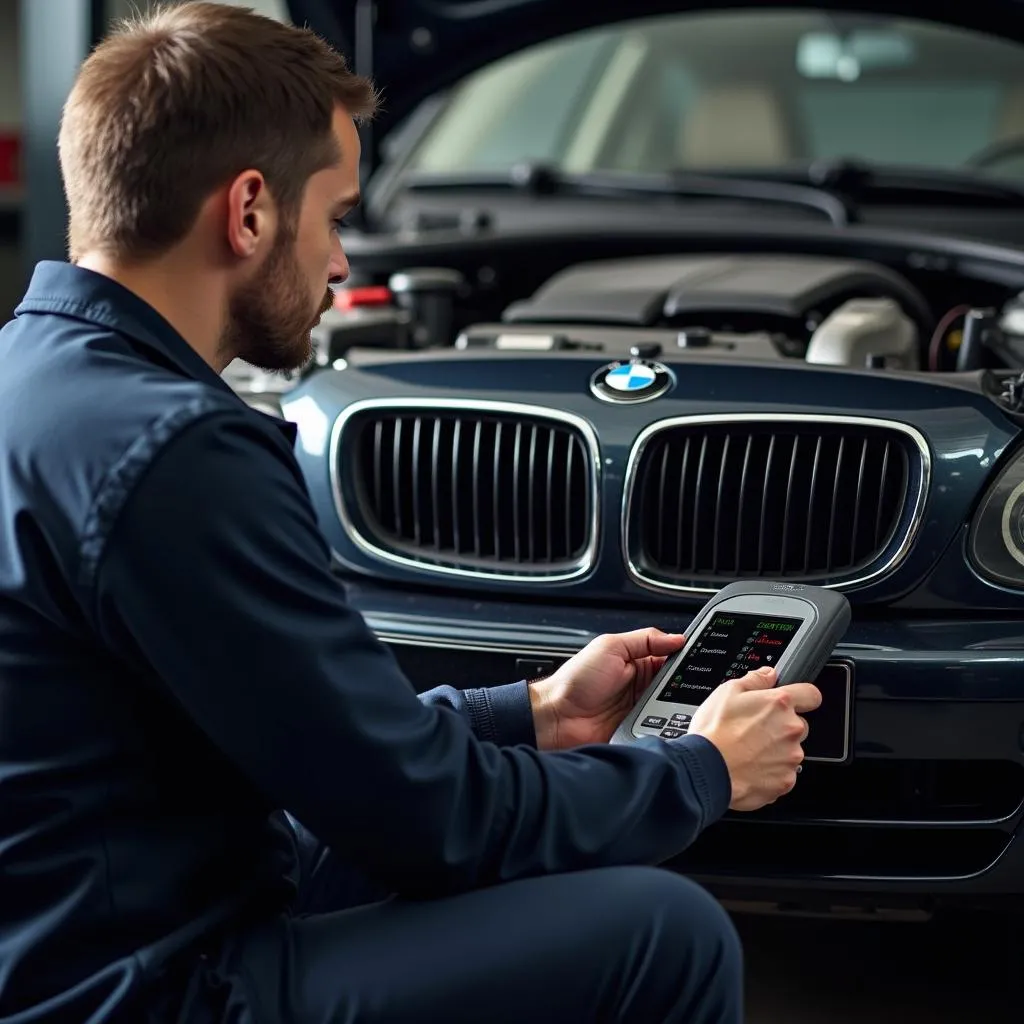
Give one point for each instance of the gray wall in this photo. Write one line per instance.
(12, 269)
(11, 276)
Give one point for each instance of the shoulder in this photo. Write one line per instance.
(87, 420)
(206, 462)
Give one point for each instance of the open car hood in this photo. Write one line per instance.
(413, 48)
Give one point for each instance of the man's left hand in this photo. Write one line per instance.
(585, 700)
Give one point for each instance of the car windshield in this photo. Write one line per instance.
(740, 91)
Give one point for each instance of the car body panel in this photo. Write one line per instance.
(932, 696)
(966, 433)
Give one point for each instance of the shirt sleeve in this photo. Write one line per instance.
(502, 714)
(215, 581)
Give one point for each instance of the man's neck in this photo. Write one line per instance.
(189, 301)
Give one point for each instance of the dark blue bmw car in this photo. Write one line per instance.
(649, 297)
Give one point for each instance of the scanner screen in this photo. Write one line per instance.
(729, 646)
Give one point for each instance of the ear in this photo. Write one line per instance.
(251, 214)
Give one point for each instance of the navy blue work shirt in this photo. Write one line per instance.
(177, 662)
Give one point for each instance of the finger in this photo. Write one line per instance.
(649, 667)
(761, 679)
(649, 642)
(646, 670)
(807, 729)
(805, 696)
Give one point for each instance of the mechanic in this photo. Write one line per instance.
(178, 664)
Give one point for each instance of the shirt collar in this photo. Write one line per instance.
(71, 291)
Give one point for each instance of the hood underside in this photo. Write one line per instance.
(414, 48)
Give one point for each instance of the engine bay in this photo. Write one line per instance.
(820, 310)
(782, 307)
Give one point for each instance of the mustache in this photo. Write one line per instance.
(328, 302)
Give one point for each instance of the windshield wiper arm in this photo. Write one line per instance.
(540, 179)
(861, 181)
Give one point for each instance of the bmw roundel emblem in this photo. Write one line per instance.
(636, 381)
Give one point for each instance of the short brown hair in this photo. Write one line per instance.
(173, 105)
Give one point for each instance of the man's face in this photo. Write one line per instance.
(272, 314)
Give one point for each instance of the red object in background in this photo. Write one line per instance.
(10, 159)
(370, 295)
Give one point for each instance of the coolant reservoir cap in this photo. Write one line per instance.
(694, 337)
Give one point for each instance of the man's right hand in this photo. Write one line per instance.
(758, 730)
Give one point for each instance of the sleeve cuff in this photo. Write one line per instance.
(709, 773)
(502, 714)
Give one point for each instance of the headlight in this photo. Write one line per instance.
(996, 543)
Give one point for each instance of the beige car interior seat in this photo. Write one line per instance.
(735, 126)
(1010, 120)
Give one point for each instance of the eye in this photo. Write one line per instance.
(340, 222)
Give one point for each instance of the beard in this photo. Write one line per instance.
(269, 319)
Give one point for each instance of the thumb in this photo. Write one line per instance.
(662, 644)
(762, 679)
(806, 697)
(649, 642)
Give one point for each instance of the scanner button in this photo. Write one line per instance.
(652, 722)
(672, 734)
(682, 719)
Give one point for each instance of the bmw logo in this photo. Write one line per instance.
(636, 381)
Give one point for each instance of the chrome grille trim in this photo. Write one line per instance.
(910, 520)
(527, 575)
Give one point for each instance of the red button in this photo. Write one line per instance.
(369, 295)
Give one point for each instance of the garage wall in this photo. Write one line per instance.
(10, 124)
(12, 279)
(10, 85)
(272, 8)
(10, 88)
(11, 271)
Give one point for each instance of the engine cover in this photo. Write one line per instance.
(792, 294)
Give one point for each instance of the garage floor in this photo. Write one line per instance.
(803, 971)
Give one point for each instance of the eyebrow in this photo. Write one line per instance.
(347, 203)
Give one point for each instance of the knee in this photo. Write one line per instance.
(685, 918)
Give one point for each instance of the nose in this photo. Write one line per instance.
(337, 269)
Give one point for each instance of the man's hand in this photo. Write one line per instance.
(585, 700)
(758, 730)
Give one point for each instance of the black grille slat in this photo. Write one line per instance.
(477, 537)
(662, 548)
(417, 508)
(396, 489)
(568, 511)
(456, 494)
(696, 498)
(830, 554)
(496, 492)
(549, 498)
(860, 491)
(684, 467)
(809, 533)
(378, 464)
(808, 500)
(881, 495)
(791, 476)
(523, 483)
(530, 504)
(764, 507)
(740, 531)
(722, 477)
(516, 474)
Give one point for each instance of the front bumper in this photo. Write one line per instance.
(929, 809)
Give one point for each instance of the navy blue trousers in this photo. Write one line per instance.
(610, 945)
